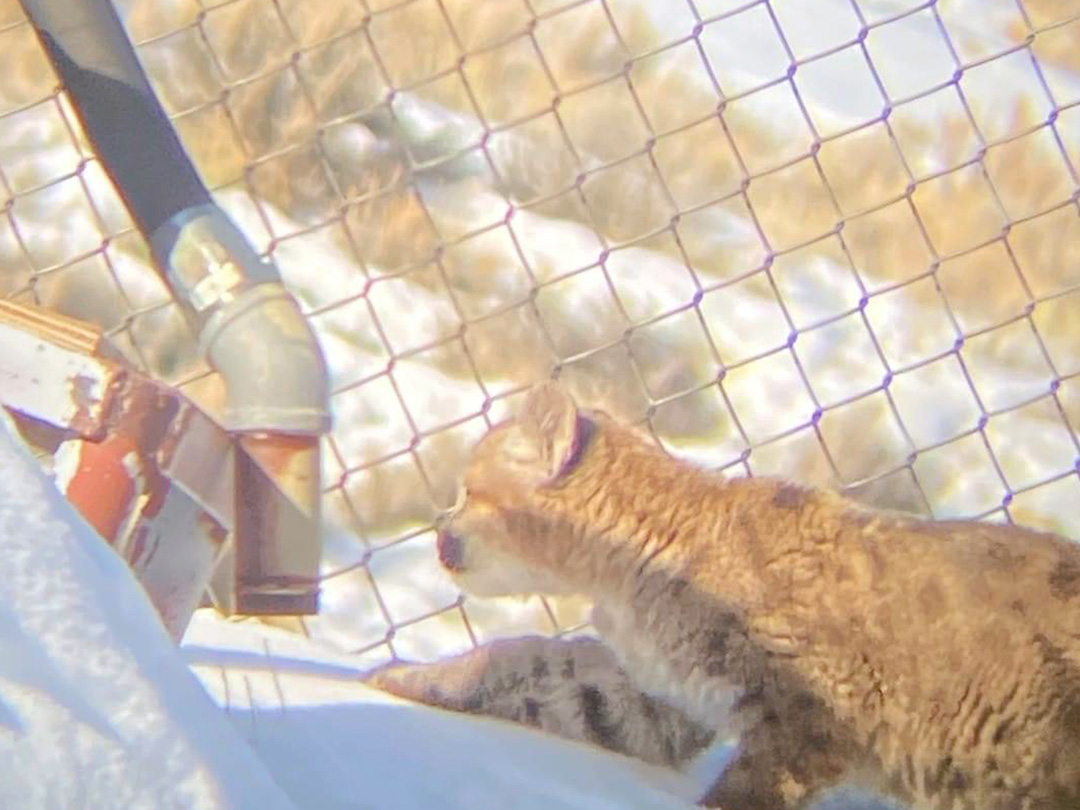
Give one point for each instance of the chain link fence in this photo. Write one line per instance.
(838, 241)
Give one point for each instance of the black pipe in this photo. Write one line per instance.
(119, 112)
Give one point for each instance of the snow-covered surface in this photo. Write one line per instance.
(333, 743)
(96, 707)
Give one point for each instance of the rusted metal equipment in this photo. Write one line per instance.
(146, 468)
(250, 329)
(157, 477)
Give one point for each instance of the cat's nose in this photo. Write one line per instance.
(451, 550)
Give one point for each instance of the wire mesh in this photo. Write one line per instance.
(838, 241)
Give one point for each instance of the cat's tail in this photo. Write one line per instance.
(570, 687)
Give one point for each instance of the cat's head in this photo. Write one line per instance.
(503, 535)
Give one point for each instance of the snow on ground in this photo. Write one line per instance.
(333, 743)
(96, 707)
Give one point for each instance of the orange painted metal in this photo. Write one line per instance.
(185, 503)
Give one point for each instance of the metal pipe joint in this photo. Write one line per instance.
(250, 328)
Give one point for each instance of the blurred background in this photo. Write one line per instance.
(837, 241)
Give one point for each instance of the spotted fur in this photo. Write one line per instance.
(574, 688)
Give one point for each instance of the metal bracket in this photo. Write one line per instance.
(157, 477)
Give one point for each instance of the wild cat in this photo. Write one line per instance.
(934, 662)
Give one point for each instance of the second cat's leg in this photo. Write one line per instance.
(570, 687)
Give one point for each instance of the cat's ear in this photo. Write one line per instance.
(548, 423)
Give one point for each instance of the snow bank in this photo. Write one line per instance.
(96, 708)
(333, 743)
